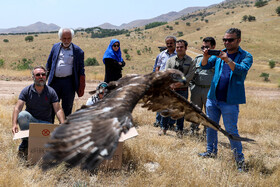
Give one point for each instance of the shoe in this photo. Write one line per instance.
(172, 127)
(240, 166)
(23, 149)
(180, 134)
(156, 124)
(162, 132)
(207, 154)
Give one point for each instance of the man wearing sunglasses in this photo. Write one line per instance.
(201, 82)
(227, 91)
(66, 70)
(39, 99)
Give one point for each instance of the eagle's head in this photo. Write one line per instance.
(170, 77)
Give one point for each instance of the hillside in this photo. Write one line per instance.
(170, 16)
(36, 27)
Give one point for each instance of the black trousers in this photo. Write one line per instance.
(65, 91)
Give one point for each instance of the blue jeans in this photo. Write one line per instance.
(165, 121)
(214, 110)
(158, 117)
(24, 118)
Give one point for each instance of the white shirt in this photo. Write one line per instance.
(64, 66)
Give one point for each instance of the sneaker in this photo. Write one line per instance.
(179, 134)
(156, 124)
(162, 132)
(240, 166)
(207, 154)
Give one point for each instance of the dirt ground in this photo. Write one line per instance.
(12, 88)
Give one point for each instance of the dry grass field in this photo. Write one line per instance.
(149, 159)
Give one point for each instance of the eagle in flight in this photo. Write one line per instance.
(91, 134)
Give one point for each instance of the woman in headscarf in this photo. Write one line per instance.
(113, 61)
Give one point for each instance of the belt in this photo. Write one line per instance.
(181, 89)
(204, 86)
(64, 77)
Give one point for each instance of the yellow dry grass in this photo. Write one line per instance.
(178, 162)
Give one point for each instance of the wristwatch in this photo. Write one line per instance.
(229, 61)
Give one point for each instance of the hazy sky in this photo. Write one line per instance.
(88, 13)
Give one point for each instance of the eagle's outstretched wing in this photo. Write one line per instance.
(171, 104)
(91, 134)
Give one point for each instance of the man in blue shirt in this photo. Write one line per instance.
(227, 91)
(39, 99)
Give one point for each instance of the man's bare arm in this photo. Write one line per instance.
(59, 112)
(17, 110)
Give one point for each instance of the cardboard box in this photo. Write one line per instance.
(39, 134)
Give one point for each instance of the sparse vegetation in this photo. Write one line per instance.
(278, 10)
(260, 3)
(1, 63)
(91, 62)
(29, 38)
(125, 51)
(23, 64)
(180, 33)
(127, 57)
(272, 64)
(154, 24)
(265, 76)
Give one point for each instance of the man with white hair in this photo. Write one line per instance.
(66, 69)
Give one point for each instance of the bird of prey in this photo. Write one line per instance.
(91, 134)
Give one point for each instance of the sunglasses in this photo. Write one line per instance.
(116, 46)
(39, 74)
(229, 39)
(204, 47)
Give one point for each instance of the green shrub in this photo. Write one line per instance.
(176, 23)
(91, 62)
(1, 63)
(188, 24)
(272, 64)
(154, 24)
(260, 3)
(29, 38)
(251, 18)
(22, 65)
(125, 51)
(138, 52)
(127, 57)
(180, 34)
(278, 10)
(6, 40)
(265, 76)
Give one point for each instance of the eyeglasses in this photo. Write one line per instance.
(116, 46)
(39, 74)
(229, 39)
(204, 47)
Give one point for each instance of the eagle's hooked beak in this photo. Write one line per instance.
(183, 80)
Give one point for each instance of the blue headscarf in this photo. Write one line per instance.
(110, 53)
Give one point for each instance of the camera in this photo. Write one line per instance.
(214, 52)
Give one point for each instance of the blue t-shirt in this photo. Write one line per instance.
(222, 88)
(39, 105)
